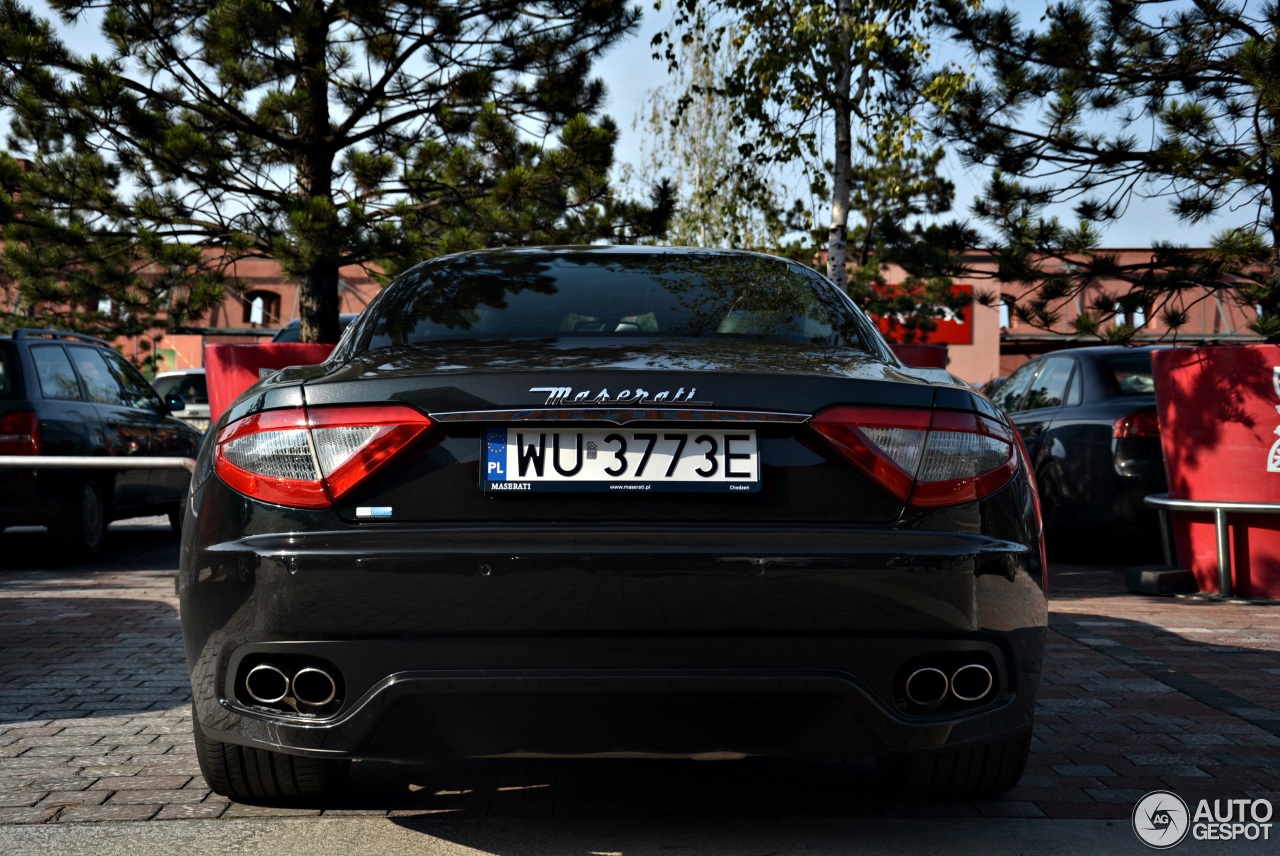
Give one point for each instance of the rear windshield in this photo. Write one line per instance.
(1132, 373)
(191, 387)
(535, 294)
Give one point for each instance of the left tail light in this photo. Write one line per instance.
(20, 433)
(924, 458)
(309, 457)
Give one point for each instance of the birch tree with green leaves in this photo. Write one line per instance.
(689, 136)
(837, 88)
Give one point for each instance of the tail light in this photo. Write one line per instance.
(20, 433)
(309, 457)
(1139, 423)
(924, 458)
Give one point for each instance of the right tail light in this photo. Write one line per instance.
(1139, 423)
(924, 458)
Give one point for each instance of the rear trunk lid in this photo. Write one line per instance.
(582, 391)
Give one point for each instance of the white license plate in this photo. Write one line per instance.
(622, 461)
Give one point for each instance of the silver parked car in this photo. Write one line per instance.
(189, 384)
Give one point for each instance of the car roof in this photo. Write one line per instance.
(176, 372)
(1106, 350)
(346, 317)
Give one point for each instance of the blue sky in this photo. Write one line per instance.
(629, 71)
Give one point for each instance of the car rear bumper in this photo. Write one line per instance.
(469, 641)
(638, 696)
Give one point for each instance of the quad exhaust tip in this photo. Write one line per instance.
(308, 687)
(315, 687)
(927, 686)
(972, 682)
(266, 684)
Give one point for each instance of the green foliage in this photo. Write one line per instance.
(835, 87)
(693, 141)
(908, 310)
(1099, 102)
(318, 133)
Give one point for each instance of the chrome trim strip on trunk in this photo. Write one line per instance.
(620, 416)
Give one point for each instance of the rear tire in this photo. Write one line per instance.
(84, 527)
(981, 770)
(176, 517)
(260, 776)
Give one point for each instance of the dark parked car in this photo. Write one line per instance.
(68, 394)
(990, 387)
(292, 332)
(567, 501)
(1088, 417)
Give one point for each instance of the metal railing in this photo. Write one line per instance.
(98, 462)
(1164, 504)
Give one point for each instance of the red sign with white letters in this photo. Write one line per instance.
(955, 327)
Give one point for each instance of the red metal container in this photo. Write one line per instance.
(1219, 424)
(231, 369)
(921, 356)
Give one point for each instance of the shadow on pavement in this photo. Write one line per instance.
(770, 787)
(145, 543)
(77, 656)
(1138, 693)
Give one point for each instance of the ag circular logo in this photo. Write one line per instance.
(1161, 819)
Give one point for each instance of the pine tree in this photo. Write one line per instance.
(316, 133)
(1098, 103)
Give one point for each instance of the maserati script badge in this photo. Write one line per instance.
(558, 396)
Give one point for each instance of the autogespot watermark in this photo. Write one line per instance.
(1162, 819)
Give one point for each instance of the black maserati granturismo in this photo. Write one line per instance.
(575, 501)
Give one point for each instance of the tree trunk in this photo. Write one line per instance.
(841, 187)
(318, 239)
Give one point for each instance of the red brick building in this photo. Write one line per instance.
(991, 341)
(266, 302)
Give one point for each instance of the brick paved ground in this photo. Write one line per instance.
(1139, 693)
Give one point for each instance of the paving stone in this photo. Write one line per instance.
(1010, 808)
(186, 811)
(157, 796)
(1246, 761)
(1090, 770)
(125, 768)
(34, 814)
(74, 798)
(109, 812)
(144, 783)
(240, 810)
(1124, 795)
